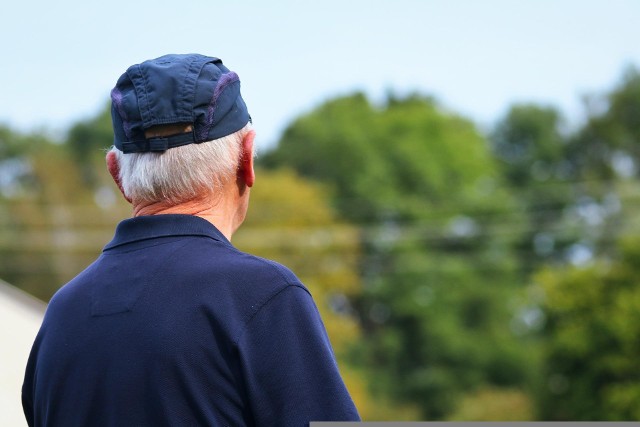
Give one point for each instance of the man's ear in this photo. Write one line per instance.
(245, 171)
(114, 170)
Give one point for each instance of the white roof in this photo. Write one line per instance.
(20, 318)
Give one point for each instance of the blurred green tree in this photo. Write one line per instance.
(20, 208)
(53, 223)
(608, 146)
(591, 332)
(572, 184)
(87, 139)
(593, 340)
(438, 274)
(605, 158)
(530, 145)
(531, 148)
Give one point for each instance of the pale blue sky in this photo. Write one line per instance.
(60, 59)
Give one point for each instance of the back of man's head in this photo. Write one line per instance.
(179, 122)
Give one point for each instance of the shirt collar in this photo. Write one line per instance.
(170, 225)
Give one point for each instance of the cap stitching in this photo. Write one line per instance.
(191, 76)
(146, 98)
(116, 97)
(225, 80)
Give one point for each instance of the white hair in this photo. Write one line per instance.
(181, 173)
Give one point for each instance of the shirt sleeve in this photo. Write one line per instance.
(27, 404)
(27, 385)
(290, 371)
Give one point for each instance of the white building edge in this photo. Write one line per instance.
(20, 318)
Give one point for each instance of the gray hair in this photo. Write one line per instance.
(181, 173)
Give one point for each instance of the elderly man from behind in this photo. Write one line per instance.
(172, 325)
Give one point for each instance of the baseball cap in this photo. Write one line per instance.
(190, 89)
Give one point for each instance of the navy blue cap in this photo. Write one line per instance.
(190, 89)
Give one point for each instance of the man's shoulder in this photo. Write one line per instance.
(259, 265)
(245, 272)
(239, 284)
(210, 254)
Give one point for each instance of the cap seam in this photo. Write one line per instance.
(146, 96)
(211, 111)
(116, 98)
(194, 85)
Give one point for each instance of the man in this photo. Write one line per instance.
(172, 325)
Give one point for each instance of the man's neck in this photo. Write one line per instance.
(219, 213)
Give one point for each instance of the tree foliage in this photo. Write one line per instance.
(608, 145)
(87, 140)
(591, 335)
(591, 358)
(421, 185)
(399, 160)
(533, 155)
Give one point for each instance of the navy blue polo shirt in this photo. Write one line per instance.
(173, 326)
